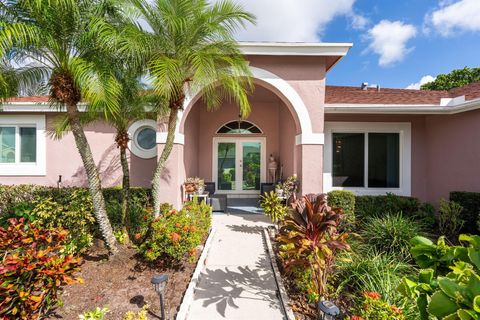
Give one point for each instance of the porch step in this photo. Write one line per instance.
(243, 206)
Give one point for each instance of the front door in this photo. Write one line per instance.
(239, 164)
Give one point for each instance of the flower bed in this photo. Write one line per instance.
(55, 236)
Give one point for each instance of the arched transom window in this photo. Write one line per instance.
(239, 127)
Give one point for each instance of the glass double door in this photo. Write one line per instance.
(239, 165)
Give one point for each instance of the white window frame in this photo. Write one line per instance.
(38, 168)
(405, 134)
(133, 132)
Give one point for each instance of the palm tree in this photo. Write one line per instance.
(134, 99)
(57, 39)
(192, 50)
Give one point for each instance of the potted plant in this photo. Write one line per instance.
(194, 184)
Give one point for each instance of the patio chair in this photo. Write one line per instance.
(217, 201)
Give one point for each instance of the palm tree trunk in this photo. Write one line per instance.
(94, 183)
(167, 149)
(125, 189)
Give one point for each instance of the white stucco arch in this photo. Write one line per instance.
(306, 135)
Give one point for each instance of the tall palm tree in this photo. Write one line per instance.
(193, 50)
(57, 38)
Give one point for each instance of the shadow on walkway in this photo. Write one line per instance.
(226, 287)
(246, 228)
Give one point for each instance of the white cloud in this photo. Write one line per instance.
(358, 22)
(423, 80)
(296, 21)
(451, 17)
(389, 40)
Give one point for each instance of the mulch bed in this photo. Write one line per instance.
(122, 284)
(302, 309)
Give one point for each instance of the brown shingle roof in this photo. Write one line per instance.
(355, 95)
(29, 99)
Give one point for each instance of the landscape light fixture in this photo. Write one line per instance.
(327, 310)
(159, 283)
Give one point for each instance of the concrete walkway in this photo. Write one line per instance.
(237, 281)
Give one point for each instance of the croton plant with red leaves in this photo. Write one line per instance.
(32, 270)
(310, 240)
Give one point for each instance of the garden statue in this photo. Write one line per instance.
(272, 168)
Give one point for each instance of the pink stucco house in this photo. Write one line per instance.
(369, 140)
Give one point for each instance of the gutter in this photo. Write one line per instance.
(402, 109)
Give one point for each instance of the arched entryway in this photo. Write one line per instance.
(232, 152)
(285, 132)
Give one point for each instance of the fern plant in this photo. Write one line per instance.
(273, 207)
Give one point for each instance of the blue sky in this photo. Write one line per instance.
(396, 43)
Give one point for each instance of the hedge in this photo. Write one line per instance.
(10, 196)
(345, 200)
(470, 201)
(375, 206)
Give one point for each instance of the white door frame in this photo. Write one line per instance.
(239, 155)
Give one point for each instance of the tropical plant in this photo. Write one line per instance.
(289, 187)
(176, 234)
(452, 294)
(33, 268)
(391, 233)
(191, 49)
(273, 207)
(309, 239)
(141, 315)
(449, 218)
(369, 270)
(373, 307)
(97, 314)
(59, 40)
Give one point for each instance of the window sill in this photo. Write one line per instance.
(22, 169)
(374, 191)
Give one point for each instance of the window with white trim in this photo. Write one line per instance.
(22, 145)
(18, 144)
(369, 158)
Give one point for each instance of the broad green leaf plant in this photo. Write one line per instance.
(448, 286)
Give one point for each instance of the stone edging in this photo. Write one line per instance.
(283, 297)
(188, 296)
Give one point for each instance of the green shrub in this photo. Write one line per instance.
(372, 306)
(10, 196)
(273, 207)
(345, 200)
(371, 271)
(450, 221)
(373, 206)
(449, 285)
(390, 233)
(73, 213)
(32, 270)
(470, 201)
(176, 234)
(97, 314)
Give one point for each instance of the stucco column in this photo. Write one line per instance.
(173, 176)
(310, 167)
